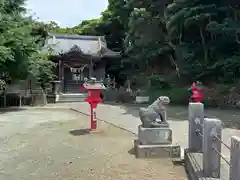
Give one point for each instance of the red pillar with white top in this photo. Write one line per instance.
(94, 87)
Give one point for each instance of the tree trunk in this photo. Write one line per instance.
(180, 35)
(175, 64)
(172, 58)
(205, 50)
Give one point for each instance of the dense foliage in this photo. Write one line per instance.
(189, 39)
(198, 37)
(21, 41)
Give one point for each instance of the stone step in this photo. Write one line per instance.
(71, 100)
(74, 89)
(74, 97)
(73, 85)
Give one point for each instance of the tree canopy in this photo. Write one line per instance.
(186, 39)
(21, 41)
(191, 39)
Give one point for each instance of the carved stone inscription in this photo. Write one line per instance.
(149, 136)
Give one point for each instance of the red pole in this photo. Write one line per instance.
(93, 117)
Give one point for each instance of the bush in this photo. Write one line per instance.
(218, 95)
(159, 81)
(178, 96)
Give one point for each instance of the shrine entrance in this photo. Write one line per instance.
(74, 77)
(78, 73)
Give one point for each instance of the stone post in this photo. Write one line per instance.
(57, 87)
(114, 83)
(235, 158)
(212, 128)
(195, 118)
(128, 86)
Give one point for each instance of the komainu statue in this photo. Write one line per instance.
(153, 112)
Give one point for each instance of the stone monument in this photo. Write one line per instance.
(154, 134)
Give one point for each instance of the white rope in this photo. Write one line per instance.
(74, 70)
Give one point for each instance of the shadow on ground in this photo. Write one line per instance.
(80, 132)
(7, 110)
(131, 151)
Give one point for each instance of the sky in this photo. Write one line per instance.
(67, 13)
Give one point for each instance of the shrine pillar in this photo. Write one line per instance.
(61, 75)
(90, 68)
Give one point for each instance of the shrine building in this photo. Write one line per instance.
(77, 57)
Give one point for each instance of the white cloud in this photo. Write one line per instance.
(66, 13)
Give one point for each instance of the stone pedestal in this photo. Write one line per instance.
(151, 136)
(155, 143)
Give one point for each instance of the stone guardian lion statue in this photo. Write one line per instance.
(156, 110)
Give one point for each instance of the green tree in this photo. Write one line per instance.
(20, 42)
(206, 35)
(198, 39)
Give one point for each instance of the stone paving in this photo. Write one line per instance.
(54, 144)
(127, 118)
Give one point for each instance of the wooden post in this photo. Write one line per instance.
(90, 68)
(62, 73)
(62, 89)
(59, 70)
(20, 100)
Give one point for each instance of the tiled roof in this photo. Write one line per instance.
(89, 45)
(72, 36)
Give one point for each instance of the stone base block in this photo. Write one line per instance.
(194, 167)
(151, 136)
(156, 151)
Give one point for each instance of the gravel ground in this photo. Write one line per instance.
(49, 145)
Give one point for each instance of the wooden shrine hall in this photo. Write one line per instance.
(78, 57)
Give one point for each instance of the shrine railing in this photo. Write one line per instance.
(205, 136)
